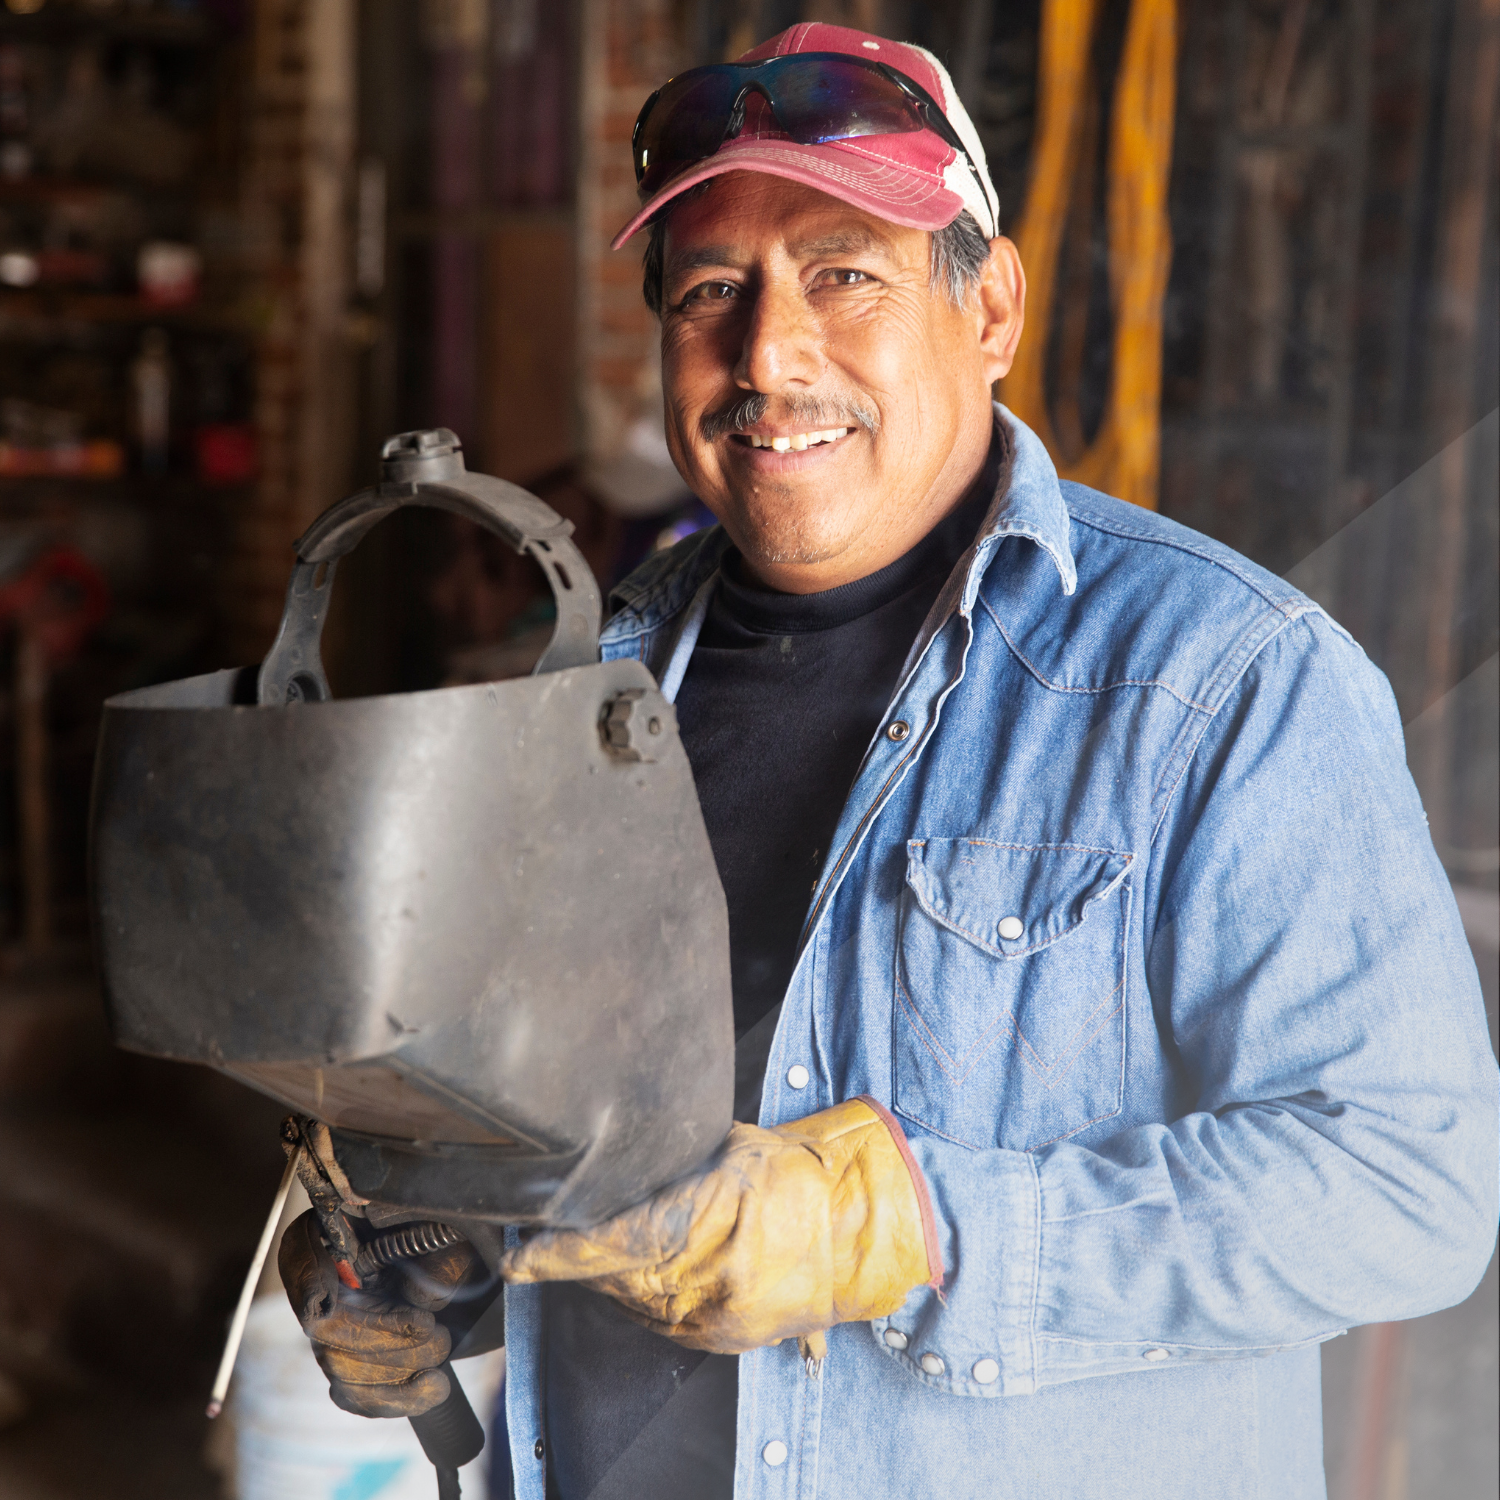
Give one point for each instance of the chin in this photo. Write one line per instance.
(779, 529)
(784, 540)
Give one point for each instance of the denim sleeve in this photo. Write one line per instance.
(1335, 1160)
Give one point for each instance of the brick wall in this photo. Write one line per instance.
(297, 174)
(627, 48)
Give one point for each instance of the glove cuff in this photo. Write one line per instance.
(919, 1185)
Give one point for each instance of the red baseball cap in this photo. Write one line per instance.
(916, 179)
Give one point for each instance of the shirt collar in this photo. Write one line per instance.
(1031, 506)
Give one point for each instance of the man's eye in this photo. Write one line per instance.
(843, 277)
(712, 291)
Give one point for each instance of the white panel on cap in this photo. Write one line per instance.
(957, 177)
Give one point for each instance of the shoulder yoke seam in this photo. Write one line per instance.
(1108, 687)
(1290, 607)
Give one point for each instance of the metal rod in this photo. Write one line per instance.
(31, 779)
(247, 1292)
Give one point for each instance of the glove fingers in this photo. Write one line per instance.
(381, 1369)
(431, 1280)
(307, 1270)
(381, 1358)
(571, 1255)
(405, 1338)
(411, 1398)
(684, 1334)
(688, 1219)
(713, 1335)
(636, 1240)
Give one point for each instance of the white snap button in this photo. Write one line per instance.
(932, 1364)
(1154, 1354)
(797, 1076)
(895, 1339)
(986, 1372)
(1011, 928)
(774, 1453)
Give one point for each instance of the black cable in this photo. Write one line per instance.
(450, 1434)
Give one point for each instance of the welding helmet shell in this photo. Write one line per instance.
(477, 930)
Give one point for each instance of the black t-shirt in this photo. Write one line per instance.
(781, 698)
(778, 706)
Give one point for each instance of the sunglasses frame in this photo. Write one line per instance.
(928, 108)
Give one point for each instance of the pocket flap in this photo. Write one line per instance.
(1010, 899)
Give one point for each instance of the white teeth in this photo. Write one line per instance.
(798, 441)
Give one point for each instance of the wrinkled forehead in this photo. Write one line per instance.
(742, 217)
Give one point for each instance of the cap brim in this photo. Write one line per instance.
(898, 195)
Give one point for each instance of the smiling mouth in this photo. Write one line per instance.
(796, 442)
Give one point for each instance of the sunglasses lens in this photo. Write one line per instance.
(838, 101)
(814, 98)
(685, 125)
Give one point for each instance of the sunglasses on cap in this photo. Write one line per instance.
(815, 97)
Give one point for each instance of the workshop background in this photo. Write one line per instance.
(243, 240)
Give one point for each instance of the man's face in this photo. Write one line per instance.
(873, 412)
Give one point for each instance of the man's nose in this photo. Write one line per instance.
(782, 345)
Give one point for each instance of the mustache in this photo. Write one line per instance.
(811, 413)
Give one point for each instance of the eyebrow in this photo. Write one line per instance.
(682, 261)
(841, 242)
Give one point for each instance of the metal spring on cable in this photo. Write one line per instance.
(400, 1244)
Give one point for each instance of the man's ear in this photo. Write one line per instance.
(1000, 308)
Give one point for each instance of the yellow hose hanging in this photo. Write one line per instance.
(1125, 457)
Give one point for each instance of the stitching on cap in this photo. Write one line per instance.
(855, 150)
(872, 165)
(893, 185)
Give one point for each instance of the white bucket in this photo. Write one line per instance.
(293, 1443)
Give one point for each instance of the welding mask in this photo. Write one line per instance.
(477, 930)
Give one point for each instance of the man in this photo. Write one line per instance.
(1107, 1020)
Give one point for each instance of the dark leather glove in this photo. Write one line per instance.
(381, 1347)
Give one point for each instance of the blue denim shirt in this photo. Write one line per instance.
(1133, 920)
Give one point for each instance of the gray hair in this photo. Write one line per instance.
(958, 255)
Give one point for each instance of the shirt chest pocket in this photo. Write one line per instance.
(1010, 990)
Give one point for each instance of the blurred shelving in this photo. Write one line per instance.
(61, 23)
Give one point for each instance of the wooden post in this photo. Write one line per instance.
(1468, 146)
(1125, 457)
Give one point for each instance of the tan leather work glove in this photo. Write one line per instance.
(380, 1349)
(784, 1234)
